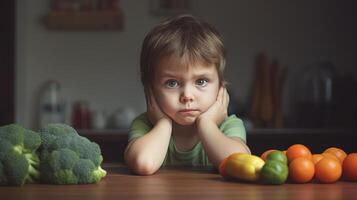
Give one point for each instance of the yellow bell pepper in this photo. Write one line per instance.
(244, 166)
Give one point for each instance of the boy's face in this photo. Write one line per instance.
(184, 92)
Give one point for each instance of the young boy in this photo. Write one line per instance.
(186, 123)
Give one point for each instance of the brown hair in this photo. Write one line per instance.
(185, 37)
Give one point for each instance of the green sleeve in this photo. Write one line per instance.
(232, 126)
(139, 127)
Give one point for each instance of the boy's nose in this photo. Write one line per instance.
(186, 96)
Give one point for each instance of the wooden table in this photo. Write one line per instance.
(177, 183)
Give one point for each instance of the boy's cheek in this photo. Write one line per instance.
(160, 97)
(164, 102)
(206, 105)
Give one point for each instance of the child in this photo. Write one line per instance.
(186, 123)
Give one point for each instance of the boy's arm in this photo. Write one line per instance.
(217, 145)
(145, 155)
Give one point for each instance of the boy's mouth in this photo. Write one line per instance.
(188, 111)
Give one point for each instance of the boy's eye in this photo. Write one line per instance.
(171, 83)
(202, 82)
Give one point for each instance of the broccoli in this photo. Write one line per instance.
(58, 155)
(19, 162)
(68, 158)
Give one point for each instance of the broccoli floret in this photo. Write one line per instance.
(16, 168)
(84, 169)
(53, 131)
(32, 141)
(13, 134)
(57, 167)
(68, 158)
(19, 162)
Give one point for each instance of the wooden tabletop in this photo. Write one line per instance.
(177, 183)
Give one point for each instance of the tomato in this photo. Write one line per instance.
(339, 153)
(328, 170)
(316, 158)
(296, 151)
(301, 170)
(349, 167)
(330, 155)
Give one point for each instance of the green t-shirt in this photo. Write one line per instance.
(231, 127)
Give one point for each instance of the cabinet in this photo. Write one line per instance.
(85, 20)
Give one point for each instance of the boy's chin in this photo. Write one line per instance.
(185, 122)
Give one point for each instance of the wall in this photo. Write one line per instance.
(102, 67)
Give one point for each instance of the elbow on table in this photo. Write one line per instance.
(143, 166)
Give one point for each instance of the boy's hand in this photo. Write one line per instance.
(154, 112)
(219, 109)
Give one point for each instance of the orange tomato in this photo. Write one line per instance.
(339, 153)
(330, 155)
(301, 170)
(316, 158)
(265, 154)
(296, 151)
(328, 170)
(349, 167)
(222, 168)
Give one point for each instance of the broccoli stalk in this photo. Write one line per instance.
(33, 170)
(99, 173)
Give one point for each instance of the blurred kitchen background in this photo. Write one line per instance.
(290, 64)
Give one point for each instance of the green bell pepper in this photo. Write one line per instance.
(278, 156)
(274, 172)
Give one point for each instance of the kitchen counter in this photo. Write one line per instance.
(177, 183)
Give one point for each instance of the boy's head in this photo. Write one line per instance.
(186, 38)
(182, 63)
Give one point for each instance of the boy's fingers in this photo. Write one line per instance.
(220, 94)
(226, 101)
(224, 96)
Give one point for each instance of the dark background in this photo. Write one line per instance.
(7, 61)
(311, 130)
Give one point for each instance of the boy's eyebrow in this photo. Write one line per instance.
(168, 74)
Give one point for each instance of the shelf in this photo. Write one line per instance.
(85, 20)
(300, 131)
